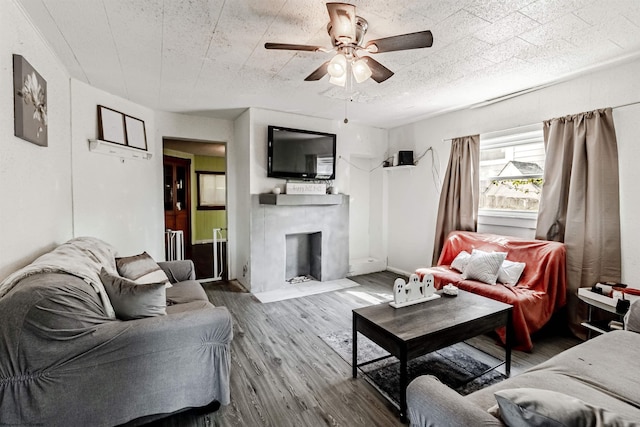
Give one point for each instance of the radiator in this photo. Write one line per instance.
(174, 245)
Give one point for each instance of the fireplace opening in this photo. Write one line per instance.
(303, 257)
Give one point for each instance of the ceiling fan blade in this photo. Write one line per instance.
(342, 18)
(379, 72)
(287, 46)
(402, 42)
(318, 73)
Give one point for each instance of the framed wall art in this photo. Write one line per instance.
(136, 134)
(111, 125)
(29, 102)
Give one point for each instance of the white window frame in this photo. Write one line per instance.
(509, 138)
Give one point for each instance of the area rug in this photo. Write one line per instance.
(456, 366)
(313, 287)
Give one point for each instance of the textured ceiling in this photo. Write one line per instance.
(207, 56)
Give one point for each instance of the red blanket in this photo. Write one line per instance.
(540, 291)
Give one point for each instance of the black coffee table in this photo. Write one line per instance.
(413, 331)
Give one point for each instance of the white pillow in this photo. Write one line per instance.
(484, 266)
(510, 272)
(460, 262)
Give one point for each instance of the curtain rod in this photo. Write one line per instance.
(625, 105)
(498, 131)
(524, 126)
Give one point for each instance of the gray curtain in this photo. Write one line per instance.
(458, 209)
(580, 201)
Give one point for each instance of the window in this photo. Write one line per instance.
(211, 190)
(511, 171)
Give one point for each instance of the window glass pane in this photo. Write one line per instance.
(511, 173)
(211, 190)
(219, 193)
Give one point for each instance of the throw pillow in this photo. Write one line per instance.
(484, 266)
(510, 272)
(460, 261)
(632, 318)
(142, 269)
(522, 407)
(134, 301)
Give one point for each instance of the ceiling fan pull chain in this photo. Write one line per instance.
(346, 120)
(349, 92)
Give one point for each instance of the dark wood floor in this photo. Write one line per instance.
(283, 374)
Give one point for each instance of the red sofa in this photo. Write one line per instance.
(540, 291)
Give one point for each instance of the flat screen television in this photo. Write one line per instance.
(301, 154)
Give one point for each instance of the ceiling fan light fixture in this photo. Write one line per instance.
(347, 32)
(339, 81)
(337, 66)
(361, 70)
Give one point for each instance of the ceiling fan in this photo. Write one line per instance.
(347, 36)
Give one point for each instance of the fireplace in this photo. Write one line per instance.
(290, 240)
(303, 256)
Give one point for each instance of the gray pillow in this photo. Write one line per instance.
(133, 301)
(142, 269)
(525, 407)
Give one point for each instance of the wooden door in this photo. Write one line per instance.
(177, 197)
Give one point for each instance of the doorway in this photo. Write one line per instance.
(177, 204)
(205, 238)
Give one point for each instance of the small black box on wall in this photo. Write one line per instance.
(405, 158)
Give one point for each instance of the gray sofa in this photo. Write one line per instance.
(603, 373)
(64, 361)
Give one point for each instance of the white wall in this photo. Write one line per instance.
(411, 231)
(239, 183)
(115, 200)
(627, 122)
(35, 182)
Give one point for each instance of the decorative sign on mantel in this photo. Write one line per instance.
(414, 292)
(305, 188)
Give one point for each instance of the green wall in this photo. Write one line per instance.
(207, 220)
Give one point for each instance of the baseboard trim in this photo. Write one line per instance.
(398, 271)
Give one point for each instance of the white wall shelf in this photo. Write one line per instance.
(113, 149)
(399, 167)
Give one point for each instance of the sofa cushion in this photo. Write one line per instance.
(484, 266)
(142, 269)
(522, 407)
(186, 291)
(134, 301)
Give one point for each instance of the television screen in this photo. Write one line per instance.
(296, 153)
